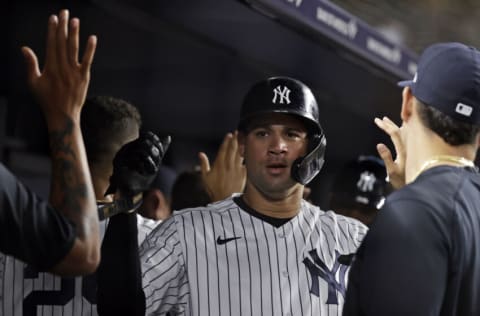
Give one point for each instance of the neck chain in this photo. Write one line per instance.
(460, 161)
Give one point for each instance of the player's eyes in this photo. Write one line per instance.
(295, 135)
(261, 133)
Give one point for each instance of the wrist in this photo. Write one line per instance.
(58, 120)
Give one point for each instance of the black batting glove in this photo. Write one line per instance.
(136, 164)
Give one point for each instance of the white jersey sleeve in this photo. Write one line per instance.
(163, 270)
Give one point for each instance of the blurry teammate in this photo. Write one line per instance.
(422, 254)
(31, 230)
(360, 188)
(189, 190)
(263, 252)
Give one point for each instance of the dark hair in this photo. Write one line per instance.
(189, 191)
(107, 124)
(452, 131)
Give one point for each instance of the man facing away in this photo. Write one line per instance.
(422, 254)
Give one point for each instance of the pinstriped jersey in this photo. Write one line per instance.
(221, 260)
(25, 291)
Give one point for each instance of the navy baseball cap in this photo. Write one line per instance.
(362, 182)
(164, 180)
(448, 79)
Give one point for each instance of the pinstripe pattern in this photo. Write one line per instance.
(23, 291)
(261, 273)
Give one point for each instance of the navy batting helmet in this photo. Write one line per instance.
(289, 96)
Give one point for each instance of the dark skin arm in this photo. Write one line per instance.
(60, 89)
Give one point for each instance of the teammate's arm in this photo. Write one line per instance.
(61, 88)
(401, 267)
(119, 276)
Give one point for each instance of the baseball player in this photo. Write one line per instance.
(26, 290)
(421, 256)
(266, 251)
(359, 189)
(32, 230)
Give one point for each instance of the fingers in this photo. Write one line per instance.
(165, 142)
(238, 159)
(386, 156)
(62, 36)
(51, 53)
(232, 152)
(224, 149)
(63, 43)
(393, 131)
(73, 42)
(33, 72)
(204, 163)
(88, 54)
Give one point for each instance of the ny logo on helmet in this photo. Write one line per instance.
(366, 181)
(283, 96)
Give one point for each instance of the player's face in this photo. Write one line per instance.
(270, 148)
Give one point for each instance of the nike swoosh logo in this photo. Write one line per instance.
(221, 241)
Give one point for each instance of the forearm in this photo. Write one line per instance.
(71, 189)
(119, 274)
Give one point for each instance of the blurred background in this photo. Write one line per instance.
(186, 65)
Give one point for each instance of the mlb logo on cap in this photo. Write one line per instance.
(464, 109)
(448, 79)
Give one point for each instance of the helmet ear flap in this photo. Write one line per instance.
(305, 168)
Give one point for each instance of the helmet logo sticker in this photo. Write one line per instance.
(281, 95)
(366, 181)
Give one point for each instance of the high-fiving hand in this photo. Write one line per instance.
(228, 174)
(395, 168)
(61, 87)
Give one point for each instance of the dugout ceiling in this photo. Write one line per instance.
(187, 64)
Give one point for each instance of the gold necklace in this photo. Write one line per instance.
(460, 161)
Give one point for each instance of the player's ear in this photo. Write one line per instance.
(241, 143)
(154, 203)
(407, 104)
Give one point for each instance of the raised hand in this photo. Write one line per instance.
(61, 86)
(228, 174)
(395, 168)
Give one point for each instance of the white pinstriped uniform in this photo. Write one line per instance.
(289, 270)
(24, 291)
